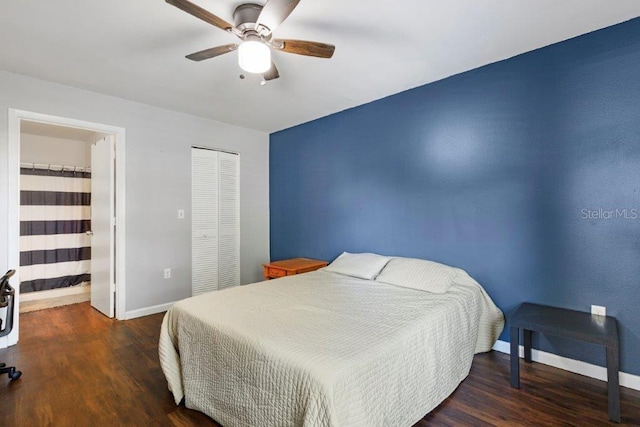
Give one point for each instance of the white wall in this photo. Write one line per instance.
(56, 151)
(158, 168)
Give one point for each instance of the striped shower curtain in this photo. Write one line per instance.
(55, 214)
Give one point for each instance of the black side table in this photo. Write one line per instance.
(578, 325)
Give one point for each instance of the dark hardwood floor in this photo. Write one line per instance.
(81, 369)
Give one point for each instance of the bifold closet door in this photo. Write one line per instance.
(215, 220)
(229, 221)
(204, 220)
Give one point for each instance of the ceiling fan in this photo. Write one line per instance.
(254, 25)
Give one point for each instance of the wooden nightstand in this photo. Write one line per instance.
(290, 267)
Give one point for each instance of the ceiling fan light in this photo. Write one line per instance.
(254, 57)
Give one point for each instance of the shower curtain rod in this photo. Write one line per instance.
(51, 167)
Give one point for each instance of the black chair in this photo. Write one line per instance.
(7, 299)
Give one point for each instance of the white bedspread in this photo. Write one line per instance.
(322, 349)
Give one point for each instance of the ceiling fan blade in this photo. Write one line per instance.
(198, 12)
(213, 52)
(272, 74)
(273, 14)
(303, 47)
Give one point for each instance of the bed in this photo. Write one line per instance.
(325, 349)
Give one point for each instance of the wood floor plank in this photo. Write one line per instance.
(81, 368)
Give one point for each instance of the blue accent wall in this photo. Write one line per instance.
(525, 173)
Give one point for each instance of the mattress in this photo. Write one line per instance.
(324, 349)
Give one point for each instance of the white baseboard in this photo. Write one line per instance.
(146, 311)
(571, 365)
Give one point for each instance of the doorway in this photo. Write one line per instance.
(55, 215)
(107, 148)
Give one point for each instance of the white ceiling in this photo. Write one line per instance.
(135, 49)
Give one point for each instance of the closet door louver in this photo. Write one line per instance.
(204, 221)
(229, 223)
(216, 220)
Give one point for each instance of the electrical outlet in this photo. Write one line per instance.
(598, 310)
(180, 213)
(167, 273)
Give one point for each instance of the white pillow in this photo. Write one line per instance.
(418, 274)
(363, 266)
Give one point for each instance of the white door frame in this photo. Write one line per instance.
(15, 117)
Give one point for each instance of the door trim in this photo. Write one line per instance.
(15, 117)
